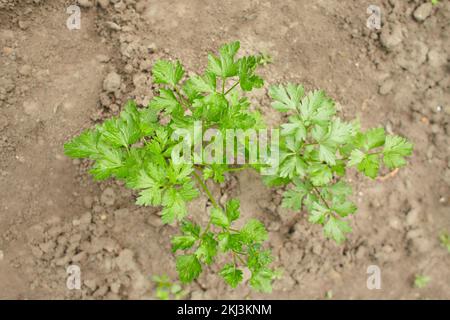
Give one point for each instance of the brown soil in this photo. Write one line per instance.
(53, 214)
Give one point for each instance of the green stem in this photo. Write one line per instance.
(182, 99)
(234, 86)
(223, 86)
(240, 259)
(127, 147)
(206, 190)
(234, 259)
(322, 198)
(369, 154)
(310, 144)
(210, 197)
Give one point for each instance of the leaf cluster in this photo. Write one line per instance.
(316, 149)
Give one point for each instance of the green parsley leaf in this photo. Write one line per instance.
(293, 198)
(262, 280)
(253, 232)
(316, 108)
(224, 66)
(232, 210)
(248, 80)
(174, 206)
(339, 132)
(318, 213)
(232, 275)
(229, 241)
(336, 229)
(182, 242)
(207, 249)
(84, 145)
(286, 98)
(292, 166)
(219, 218)
(344, 208)
(395, 149)
(188, 267)
(167, 72)
(295, 128)
(374, 138)
(320, 174)
(108, 162)
(150, 197)
(190, 228)
(366, 163)
(165, 101)
(356, 157)
(327, 154)
(199, 85)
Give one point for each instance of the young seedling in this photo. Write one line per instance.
(445, 240)
(265, 59)
(421, 281)
(166, 289)
(142, 147)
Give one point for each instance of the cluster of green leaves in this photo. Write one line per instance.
(166, 289)
(421, 281)
(316, 149)
(244, 246)
(137, 148)
(140, 146)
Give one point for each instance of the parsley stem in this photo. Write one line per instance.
(234, 259)
(128, 149)
(182, 99)
(223, 86)
(310, 144)
(234, 86)
(322, 198)
(205, 189)
(239, 258)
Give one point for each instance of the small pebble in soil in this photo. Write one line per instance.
(88, 201)
(395, 223)
(23, 25)
(85, 3)
(437, 58)
(103, 3)
(113, 26)
(125, 260)
(103, 58)
(112, 82)
(108, 197)
(30, 107)
(423, 11)
(386, 87)
(25, 70)
(391, 36)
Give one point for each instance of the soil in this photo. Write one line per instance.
(55, 82)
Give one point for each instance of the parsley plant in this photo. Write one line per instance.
(315, 150)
